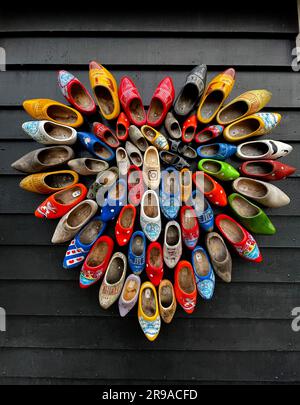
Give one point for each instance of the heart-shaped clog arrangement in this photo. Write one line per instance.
(142, 171)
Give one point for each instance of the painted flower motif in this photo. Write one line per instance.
(31, 127)
(150, 328)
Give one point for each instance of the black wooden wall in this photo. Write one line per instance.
(57, 333)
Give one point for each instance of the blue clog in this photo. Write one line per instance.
(169, 195)
(204, 274)
(219, 151)
(203, 211)
(112, 205)
(82, 243)
(95, 146)
(137, 252)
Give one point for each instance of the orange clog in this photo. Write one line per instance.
(47, 109)
(105, 88)
(215, 94)
(50, 182)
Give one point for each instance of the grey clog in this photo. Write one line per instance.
(172, 126)
(137, 138)
(134, 154)
(43, 159)
(219, 256)
(192, 90)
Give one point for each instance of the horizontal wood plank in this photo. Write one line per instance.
(45, 263)
(94, 333)
(208, 366)
(202, 19)
(18, 86)
(65, 298)
(140, 51)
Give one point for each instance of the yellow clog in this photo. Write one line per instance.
(148, 312)
(105, 88)
(46, 109)
(47, 183)
(215, 94)
(253, 125)
(185, 184)
(247, 103)
(156, 138)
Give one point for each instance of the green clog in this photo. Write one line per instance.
(220, 170)
(251, 216)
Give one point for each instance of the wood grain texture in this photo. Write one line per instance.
(18, 86)
(108, 364)
(203, 19)
(212, 334)
(65, 298)
(141, 51)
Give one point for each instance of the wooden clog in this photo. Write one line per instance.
(155, 138)
(219, 256)
(50, 182)
(161, 102)
(131, 101)
(167, 301)
(88, 166)
(148, 311)
(50, 133)
(219, 169)
(185, 286)
(47, 109)
(269, 170)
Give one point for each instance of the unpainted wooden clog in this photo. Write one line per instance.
(74, 220)
(44, 159)
(88, 166)
(219, 256)
(264, 193)
(166, 300)
(134, 154)
(113, 280)
(172, 126)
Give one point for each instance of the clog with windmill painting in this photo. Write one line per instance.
(148, 311)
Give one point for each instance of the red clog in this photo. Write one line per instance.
(189, 128)
(58, 204)
(136, 186)
(266, 169)
(125, 224)
(105, 135)
(211, 189)
(185, 286)
(242, 241)
(189, 226)
(75, 93)
(154, 263)
(209, 133)
(122, 127)
(131, 102)
(161, 102)
(96, 262)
